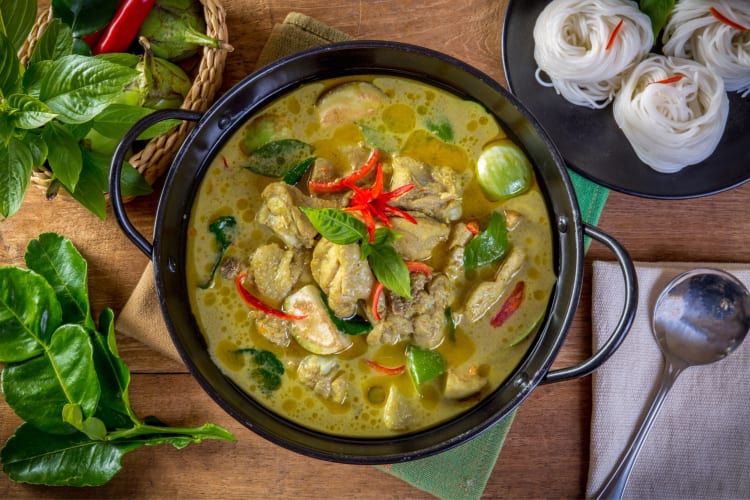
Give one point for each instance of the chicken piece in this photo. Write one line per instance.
(349, 102)
(275, 271)
(487, 293)
(420, 320)
(461, 384)
(418, 240)
(280, 212)
(273, 329)
(438, 191)
(343, 275)
(322, 375)
(398, 415)
(459, 237)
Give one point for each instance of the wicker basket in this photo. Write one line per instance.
(154, 159)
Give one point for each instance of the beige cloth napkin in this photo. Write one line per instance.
(699, 445)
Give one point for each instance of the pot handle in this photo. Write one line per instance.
(115, 193)
(626, 319)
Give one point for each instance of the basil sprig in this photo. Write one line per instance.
(63, 376)
(342, 228)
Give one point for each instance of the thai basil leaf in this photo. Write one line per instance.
(295, 173)
(10, 67)
(36, 457)
(55, 42)
(37, 147)
(389, 269)
(85, 16)
(62, 266)
(39, 388)
(63, 155)
(658, 11)
(116, 119)
(267, 370)
(17, 18)
(490, 246)
(29, 112)
(442, 128)
(114, 376)
(275, 158)
(80, 87)
(374, 138)
(223, 230)
(34, 76)
(336, 225)
(16, 164)
(122, 58)
(356, 325)
(29, 314)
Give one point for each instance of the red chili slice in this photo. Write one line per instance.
(671, 79)
(377, 291)
(397, 370)
(614, 35)
(724, 19)
(511, 305)
(419, 267)
(256, 303)
(318, 187)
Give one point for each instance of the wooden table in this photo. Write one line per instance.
(546, 452)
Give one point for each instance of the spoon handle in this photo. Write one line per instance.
(615, 484)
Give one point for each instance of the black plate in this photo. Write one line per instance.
(592, 143)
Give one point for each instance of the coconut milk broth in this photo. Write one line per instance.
(226, 322)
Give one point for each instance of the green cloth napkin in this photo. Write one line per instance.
(461, 472)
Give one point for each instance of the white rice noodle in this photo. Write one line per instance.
(570, 47)
(671, 125)
(693, 32)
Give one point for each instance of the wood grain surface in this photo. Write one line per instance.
(546, 451)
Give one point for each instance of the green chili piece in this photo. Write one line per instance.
(423, 364)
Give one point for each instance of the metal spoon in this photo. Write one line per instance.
(700, 317)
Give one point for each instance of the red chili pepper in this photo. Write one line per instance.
(377, 291)
(473, 227)
(724, 19)
(256, 303)
(318, 187)
(419, 267)
(124, 26)
(511, 305)
(614, 35)
(397, 370)
(671, 79)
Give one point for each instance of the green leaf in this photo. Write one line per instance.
(55, 42)
(35, 457)
(295, 173)
(39, 388)
(122, 58)
(223, 230)
(375, 138)
(16, 164)
(29, 314)
(10, 67)
(85, 16)
(79, 87)
(116, 119)
(336, 225)
(442, 128)
(489, 246)
(114, 376)
(92, 184)
(17, 18)
(275, 158)
(37, 147)
(356, 325)
(63, 154)
(658, 11)
(267, 370)
(389, 269)
(34, 77)
(29, 112)
(56, 259)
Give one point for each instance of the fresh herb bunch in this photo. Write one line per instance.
(48, 108)
(64, 377)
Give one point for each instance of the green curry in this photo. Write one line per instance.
(369, 256)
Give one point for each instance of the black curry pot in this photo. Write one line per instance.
(368, 57)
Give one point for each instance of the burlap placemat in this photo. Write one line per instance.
(461, 472)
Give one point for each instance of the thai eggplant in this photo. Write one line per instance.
(177, 30)
(163, 84)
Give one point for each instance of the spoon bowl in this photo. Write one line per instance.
(700, 317)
